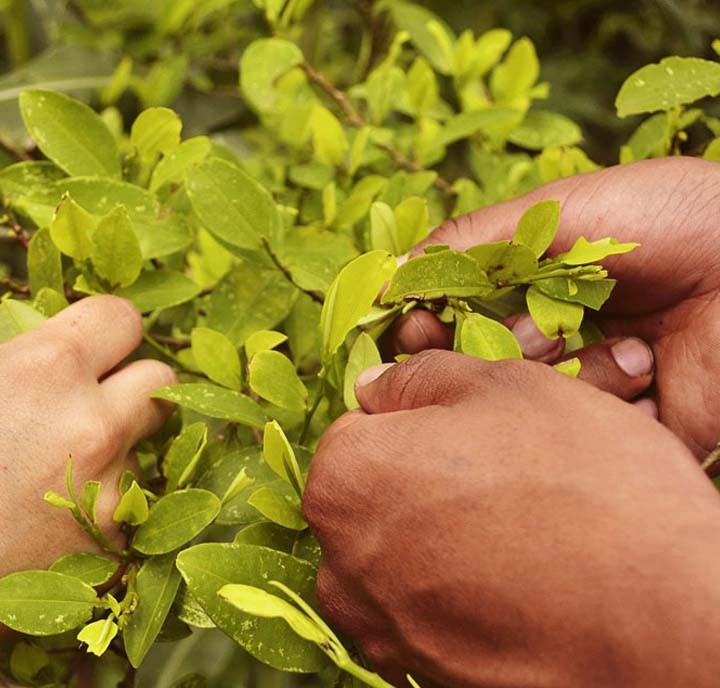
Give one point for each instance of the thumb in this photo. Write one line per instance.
(428, 378)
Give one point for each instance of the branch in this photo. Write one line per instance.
(12, 149)
(712, 462)
(15, 287)
(287, 274)
(356, 120)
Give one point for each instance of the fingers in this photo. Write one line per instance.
(534, 345)
(428, 378)
(621, 366)
(648, 406)
(667, 205)
(416, 331)
(420, 330)
(99, 332)
(127, 393)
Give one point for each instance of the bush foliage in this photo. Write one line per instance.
(254, 224)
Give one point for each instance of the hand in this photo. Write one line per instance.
(64, 397)
(667, 292)
(499, 524)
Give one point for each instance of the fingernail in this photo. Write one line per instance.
(633, 356)
(371, 374)
(647, 406)
(533, 343)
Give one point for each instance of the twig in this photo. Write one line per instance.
(15, 287)
(287, 274)
(17, 153)
(18, 232)
(150, 339)
(711, 461)
(310, 413)
(354, 119)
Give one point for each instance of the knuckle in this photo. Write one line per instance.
(380, 653)
(99, 439)
(450, 232)
(426, 372)
(62, 352)
(334, 458)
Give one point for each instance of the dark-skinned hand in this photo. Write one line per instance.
(667, 291)
(499, 525)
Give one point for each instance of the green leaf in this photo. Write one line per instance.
(329, 140)
(16, 317)
(45, 602)
(248, 299)
(421, 86)
(116, 255)
(97, 196)
(155, 132)
(538, 226)
(584, 251)
(516, 74)
(273, 377)
(71, 229)
(505, 262)
(217, 357)
(278, 503)
(570, 368)
(92, 569)
(246, 466)
(159, 289)
(133, 506)
(351, 296)
(263, 340)
(189, 611)
(232, 206)
(70, 134)
(263, 62)
(175, 519)
(674, 81)
(439, 274)
(383, 228)
(258, 602)
(184, 454)
(590, 293)
(494, 123)
(433, 38)
(173, 166)
(89, 498)
(487, 339)
(412, 219)
(58, 501)
(280, 456)
(267, 534)
(44, 263)
(363, 355)
(489, 48)
(27, 660)
(98, 635)
(215, 402)
(49, 302)
(542, 129)
(156, 585)
(207, 568)
(314, 257)
(553, 317)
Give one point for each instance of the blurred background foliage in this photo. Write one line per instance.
(185, 53)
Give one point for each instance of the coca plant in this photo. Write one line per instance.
(267, 275)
